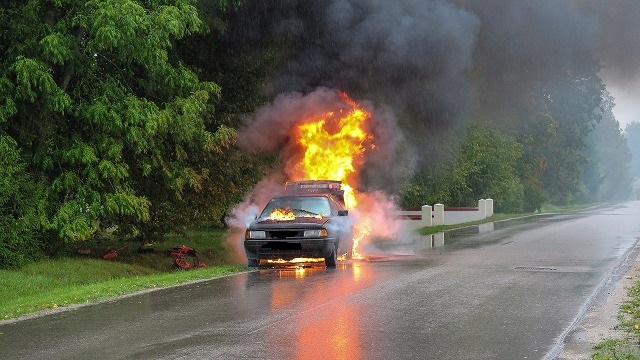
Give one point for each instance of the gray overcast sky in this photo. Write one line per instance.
(627, 108)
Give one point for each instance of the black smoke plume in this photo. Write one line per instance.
(428, 61)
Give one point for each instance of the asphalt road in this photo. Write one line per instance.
(509, 290)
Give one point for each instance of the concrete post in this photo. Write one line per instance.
(482, 209)
(438, 214)
(486, 227)
(489, 207)
(427, 241)
(427, 215)
(438, 239)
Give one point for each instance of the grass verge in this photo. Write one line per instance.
(547, 209)
(430, 230)
(74, 279)
(628, 347)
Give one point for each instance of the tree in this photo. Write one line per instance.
(606, 174)
(21, 208)
(486, 166)
(632, 133)
(574, 103)
(103, 109)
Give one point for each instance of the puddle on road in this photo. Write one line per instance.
(464, 238)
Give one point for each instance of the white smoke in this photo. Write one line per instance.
(248, 210)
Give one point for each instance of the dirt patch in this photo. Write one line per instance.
(600, 321)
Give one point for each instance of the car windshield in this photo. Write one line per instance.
(299, 206)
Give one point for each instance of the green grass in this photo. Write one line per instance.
(75, 279)
(209, 244)
(629, 322)
(429, 230)
(614, 349)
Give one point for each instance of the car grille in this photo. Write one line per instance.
(284, 234)
(282, 246)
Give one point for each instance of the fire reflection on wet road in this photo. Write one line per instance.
(507, 292)
(338, 338)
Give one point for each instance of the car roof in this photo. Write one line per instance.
(333, 188)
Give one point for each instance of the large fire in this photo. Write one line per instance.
(333, 148)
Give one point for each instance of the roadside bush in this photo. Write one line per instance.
(534, 197)
(20, 209)
(509, 196)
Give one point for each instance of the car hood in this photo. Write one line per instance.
(298, 223)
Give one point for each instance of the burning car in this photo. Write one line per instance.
(309, 221)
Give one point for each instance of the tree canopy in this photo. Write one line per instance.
(632, 133)
(106, 115)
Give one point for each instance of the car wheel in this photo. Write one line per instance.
(332, 260)
(252, 262)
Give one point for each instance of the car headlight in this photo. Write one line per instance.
(255, 234)
(315, 233)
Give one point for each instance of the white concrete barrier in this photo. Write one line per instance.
(415, 219)
(440, 215)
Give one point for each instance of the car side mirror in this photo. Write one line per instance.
(343, 212)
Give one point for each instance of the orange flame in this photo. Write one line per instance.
(294, 261)
(282, 215)
(333, 149)
(286, 215)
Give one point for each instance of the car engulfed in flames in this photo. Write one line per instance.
(309, 222)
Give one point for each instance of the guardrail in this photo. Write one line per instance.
(438, 214)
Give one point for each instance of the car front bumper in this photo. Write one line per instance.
(288, 249)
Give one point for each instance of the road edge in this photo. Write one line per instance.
(610, 290)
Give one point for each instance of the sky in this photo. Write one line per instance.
(627, 95)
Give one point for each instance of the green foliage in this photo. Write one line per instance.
(105, 112)
(534, 197)
(574, 102)
(486, 166)
(606, 174)
(64, 281)
(613, 349)
(489, 159)
(632, 134)
(20, 209)
(627, 347)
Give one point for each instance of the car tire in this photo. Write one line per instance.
(252, 262)
(332, 260)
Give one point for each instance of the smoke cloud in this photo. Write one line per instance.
(419, 65)
(521, 43)
(618, 48)
(410, 54)
(270, 127)
(419, 57)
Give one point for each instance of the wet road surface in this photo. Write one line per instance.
(508, 290)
